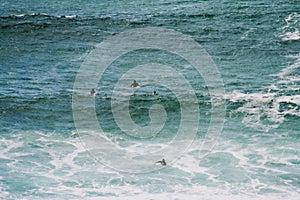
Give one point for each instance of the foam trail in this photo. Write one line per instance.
(267, 105)
(291, 29)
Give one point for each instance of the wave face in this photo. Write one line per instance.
(255, 46)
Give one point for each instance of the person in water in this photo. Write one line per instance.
(154, 92)
(93, 92)
(134, 84)
(162, 162)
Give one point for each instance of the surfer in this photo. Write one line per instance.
(154, 92)
(134, 84)
(93, 92)
(162, 162)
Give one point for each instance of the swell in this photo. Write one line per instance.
(27, 22)
(38, 112)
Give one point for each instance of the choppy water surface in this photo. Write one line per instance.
(255, 46)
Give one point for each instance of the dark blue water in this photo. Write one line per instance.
(255, 46)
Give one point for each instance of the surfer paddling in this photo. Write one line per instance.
(93, 92)
(162, 162)
(134, 84)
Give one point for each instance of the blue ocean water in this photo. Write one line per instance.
(254, 44)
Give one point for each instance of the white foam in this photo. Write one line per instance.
(70, 16)
(291, 35)
(289, 99)
(187, 192)
(237, 96)
(259, 105)
(290, 30)
(189, 164)
(256, 106)
(267, 104)
(289, 69)
(71, 163)
(3, 193)
(20, 15)
(9, 145)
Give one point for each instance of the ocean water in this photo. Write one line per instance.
(51, 143)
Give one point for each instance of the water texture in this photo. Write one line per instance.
(254, 44)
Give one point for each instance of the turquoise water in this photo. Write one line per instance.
(254, 44)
